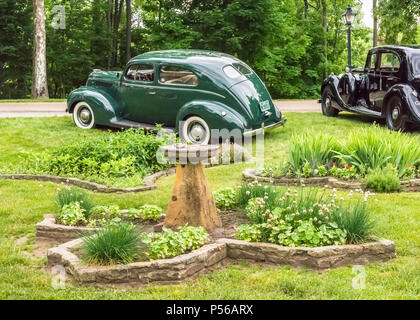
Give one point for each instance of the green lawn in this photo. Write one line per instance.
(23, 203)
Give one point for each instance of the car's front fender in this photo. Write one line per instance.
(217, 115)
(102, 103)
(408, 95)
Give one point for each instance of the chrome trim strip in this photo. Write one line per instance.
(263, 128)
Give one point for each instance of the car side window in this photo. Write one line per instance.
(389, 62)
(372, 63)
(140, 72)
(177, 75)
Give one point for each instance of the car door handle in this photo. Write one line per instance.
(152, 92)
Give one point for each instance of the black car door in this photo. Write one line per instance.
(374, 80)
(389, 74)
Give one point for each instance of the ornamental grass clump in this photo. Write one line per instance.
(70, 195)
(112, 245)
(312, 150)
(375, 147)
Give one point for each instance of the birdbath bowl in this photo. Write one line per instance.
(192, 201)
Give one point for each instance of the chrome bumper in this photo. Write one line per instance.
(251, 133)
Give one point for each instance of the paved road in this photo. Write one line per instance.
(49, 109)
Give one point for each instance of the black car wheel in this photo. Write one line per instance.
(327, 108)
(395, 116)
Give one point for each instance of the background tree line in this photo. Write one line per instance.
(291, 44)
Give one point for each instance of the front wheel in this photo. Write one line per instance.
(327, 108)
(83, 115)
(395, 117)
(195, 130)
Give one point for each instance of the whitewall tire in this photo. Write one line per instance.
(195, 130)
(83, 115)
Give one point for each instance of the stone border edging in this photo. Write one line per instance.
(211, 256)
(412, 185)
(49, 230)
(149, 182)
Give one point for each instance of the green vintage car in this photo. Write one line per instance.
(194, 93)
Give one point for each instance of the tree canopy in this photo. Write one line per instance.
(291, 44)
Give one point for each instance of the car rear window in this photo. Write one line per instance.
(242, 68)
(177, 75)
(416, 64)
(231, 72)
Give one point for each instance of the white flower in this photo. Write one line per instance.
(248, 193)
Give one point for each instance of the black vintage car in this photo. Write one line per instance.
(388, 87)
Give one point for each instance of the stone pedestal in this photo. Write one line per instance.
(192, 201)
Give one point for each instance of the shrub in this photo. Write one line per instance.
(112, 245)
(356, 221)
(170, 243)
(145, 212)
(105, 216)
(72, 214)
(225, 198)
(254, 189)
(105, 159)
(71, 195)
(383, 180)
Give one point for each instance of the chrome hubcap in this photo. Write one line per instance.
(85, 116)
(395, 114)
(197, 132)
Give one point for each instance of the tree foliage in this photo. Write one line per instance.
(291, 44)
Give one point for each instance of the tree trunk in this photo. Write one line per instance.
(306, 2)
(39, 73)
(325, 27)
(128, 31)
(375, 24)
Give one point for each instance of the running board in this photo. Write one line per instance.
(366, 112)
(127, 124)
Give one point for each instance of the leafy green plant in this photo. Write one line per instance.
(146, 212)
(105, 212)
(112, 245)
(72, 214)
(171, 243)
(383, 180)
(225, 198)
(70, 195)
(345, 173)
(129, 154)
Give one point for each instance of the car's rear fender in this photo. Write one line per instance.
(217, 115)
(103, 104)
(410, 98)
(333, 82)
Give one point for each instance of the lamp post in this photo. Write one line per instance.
(349, 16)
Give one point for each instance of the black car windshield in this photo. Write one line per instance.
(416, 64)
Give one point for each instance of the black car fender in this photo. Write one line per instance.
(344, 85)
(408, 95)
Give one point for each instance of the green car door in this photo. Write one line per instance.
(176, 86)
(138, 92)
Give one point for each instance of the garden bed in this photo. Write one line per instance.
(412, 185)
(149, 182)
(223, 251)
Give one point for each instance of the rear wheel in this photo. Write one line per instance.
(195, 130)
(83, 115)
(327, 108)
(395, 116)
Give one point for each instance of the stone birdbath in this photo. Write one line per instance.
(192, 201)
